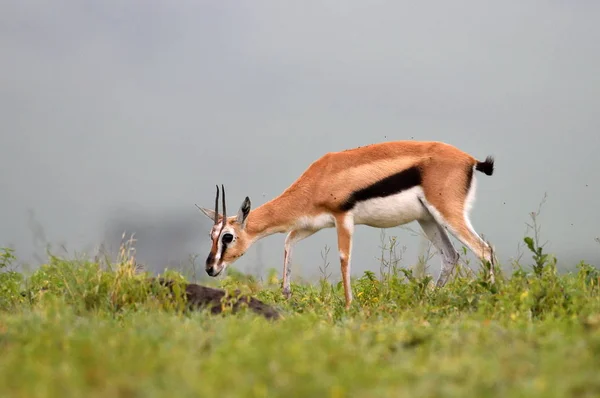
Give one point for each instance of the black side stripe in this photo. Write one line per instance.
(387, 186)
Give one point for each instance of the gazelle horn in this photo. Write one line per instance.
(224, 210)
(217, 206)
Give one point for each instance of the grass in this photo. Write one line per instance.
(77, 328)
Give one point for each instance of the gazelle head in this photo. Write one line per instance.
(228, 234)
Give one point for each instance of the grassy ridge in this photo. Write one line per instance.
(75, 328)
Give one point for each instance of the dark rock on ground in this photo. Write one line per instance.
(202, 296)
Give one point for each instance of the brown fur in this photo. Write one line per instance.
(328, 181)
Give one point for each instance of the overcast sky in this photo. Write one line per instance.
(123, 114)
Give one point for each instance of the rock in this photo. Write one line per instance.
(202, 296)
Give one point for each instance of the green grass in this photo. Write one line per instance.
(77, 329)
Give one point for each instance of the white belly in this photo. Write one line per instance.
(390, 211)
(315, 223)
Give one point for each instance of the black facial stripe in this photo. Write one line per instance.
(223, 248)
(387, 186)
(224, 245)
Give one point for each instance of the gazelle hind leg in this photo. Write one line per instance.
(458, 223)
(481, 248)
(439, 238)
(345, 228)
(291, 239)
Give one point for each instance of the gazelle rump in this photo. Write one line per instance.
(381, 185)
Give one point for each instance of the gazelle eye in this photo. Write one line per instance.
(227, 238)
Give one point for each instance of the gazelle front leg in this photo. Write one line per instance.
(345, 227)
(292, 238)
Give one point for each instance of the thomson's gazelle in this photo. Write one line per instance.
(381, 185)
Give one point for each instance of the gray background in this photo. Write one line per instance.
(120, 115)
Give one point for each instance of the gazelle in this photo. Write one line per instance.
(381, 185)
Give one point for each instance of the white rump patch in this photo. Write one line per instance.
(470, 199)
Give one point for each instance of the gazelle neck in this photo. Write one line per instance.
(276, 216)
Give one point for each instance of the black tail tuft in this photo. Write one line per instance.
(487, 166)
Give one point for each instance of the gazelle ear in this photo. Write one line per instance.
(208, 212)
(243, 212)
